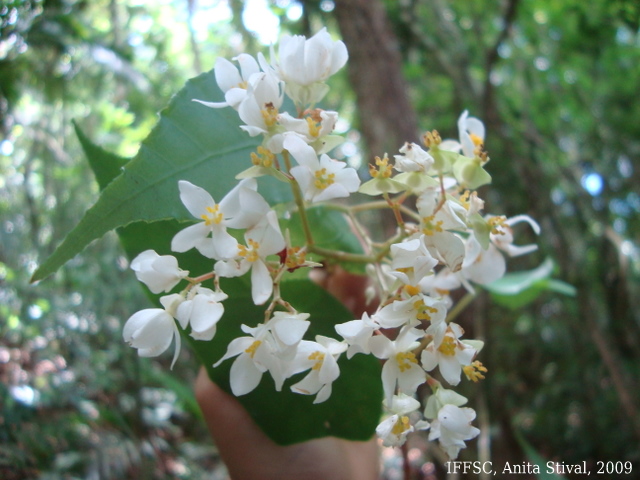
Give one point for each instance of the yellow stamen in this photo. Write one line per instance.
(250, 252)
(405, 359)
(477, 141)
(318, 356)
(314, 128)
(432, 139)
(411, 290)
(424, 311)
(295, 257)
(213, 215)
(384, 170)
(448, 346)
(430, 226)
(497, 224)
(269, 115)
(323, 180)
(464, 199)
(253, 347)
(263, 158)
(401, 426)
(474, 372)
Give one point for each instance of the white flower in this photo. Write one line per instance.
(484, 264)
(260, 107)
(413, 159)
(394, 429)
(202, 310)
(449, 356)
(304, 64)
(233, 82)
(262, 240)
(439, 399)
(504, 239)
(321, 357)
(411, 261)
(413, 311)
(238, 209)
(435, 225)
(255, 355)
(472, 133)
(357, 334)
(159, 273)
(152, 330)
(322, 179)
(452, 428)
(401, 368)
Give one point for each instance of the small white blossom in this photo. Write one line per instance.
(158, 272)
(411, 261)
(472, 133)
(452, 427)
(357, 334)
(255, 355)
(233, 82)
(450, 356)
(304, 64)
(152, 330)
(320, 179)
(202, 310)
(321, 357)
(394, 429)
(262, 240)
(401, 368)
(241, 206)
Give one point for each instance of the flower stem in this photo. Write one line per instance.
(297, 196)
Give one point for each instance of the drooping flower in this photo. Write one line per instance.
(394, 429)
(152, 330)
(320, 179)
(411, 261)
(202, 310)
(158, 272)
(452, 427)
(357, 333)
(321, 358)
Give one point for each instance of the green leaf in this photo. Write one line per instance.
(354, 409)
(515, 290)
(105, 165)
(190, 142)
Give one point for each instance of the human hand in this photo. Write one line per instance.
(249, 454)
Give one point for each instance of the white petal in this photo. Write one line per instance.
(261, 282)
(189, 237)
(196, 199)
(244, 376)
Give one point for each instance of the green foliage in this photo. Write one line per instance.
(518, 289)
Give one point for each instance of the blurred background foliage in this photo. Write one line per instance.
(556, 83)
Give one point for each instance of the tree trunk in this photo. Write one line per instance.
(387, 119)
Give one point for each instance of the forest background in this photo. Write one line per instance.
(556, 83)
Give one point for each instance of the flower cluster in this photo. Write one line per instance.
(445, 243)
